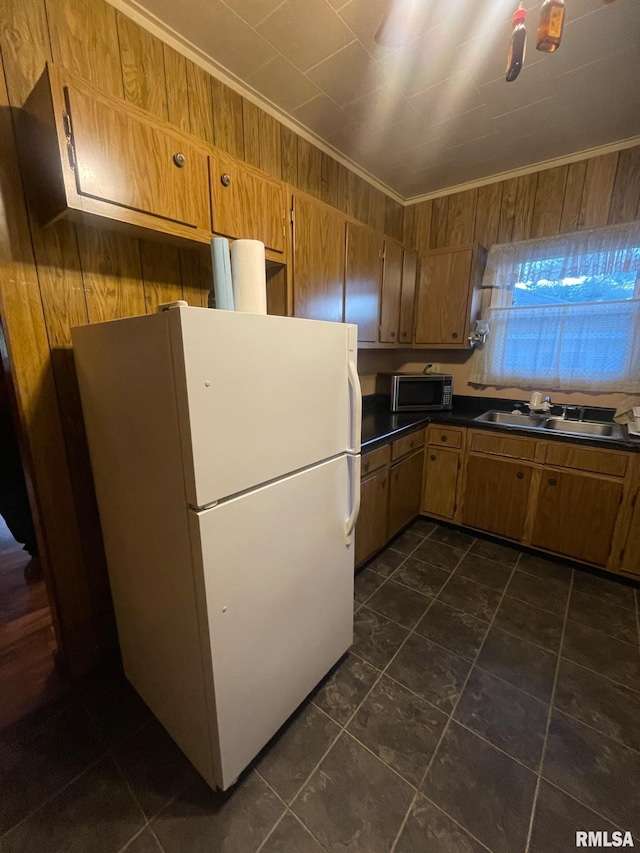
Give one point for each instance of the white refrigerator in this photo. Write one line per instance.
(225, 454)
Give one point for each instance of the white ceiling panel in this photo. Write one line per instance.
(437, 112)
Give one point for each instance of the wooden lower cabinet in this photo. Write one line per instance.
(371, 528)
(576, 515)
(631, 553)
(496, 496)
(441, 471)
(405, 487)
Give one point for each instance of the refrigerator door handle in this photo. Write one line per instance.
(354, 499)
(355, 394)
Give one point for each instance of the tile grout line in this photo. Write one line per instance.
(453, 710)
(548, 726)
(51, 797)
(364, 698)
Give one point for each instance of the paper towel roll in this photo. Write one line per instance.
(221, 263)
(249, 276)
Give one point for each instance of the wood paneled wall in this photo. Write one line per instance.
(52, 279)
(586, 194)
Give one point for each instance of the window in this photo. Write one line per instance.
(565, 313)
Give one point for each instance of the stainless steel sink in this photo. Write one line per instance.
(593, 429)
(523, 421)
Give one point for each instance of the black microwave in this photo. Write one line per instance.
(417, 392)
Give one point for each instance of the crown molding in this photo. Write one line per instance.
(587, 154)
(158, 28)
(169, 36)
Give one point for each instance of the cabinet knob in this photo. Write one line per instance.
(443, 437)
(433, 457)
(225, 179)
(366, 466)
(454, 334)
(404, 336)
(519, 475)
(179, 159)
(393, 334)
(553, 481)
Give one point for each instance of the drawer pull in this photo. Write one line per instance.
(179, 159)
(553, 481)
(225, 179)
(433, 457)
(454, 334)
(519, 475)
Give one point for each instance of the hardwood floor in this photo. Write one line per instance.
(28, 678)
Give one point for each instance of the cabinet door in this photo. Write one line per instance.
(246, 204)
(631, 556)
(497, 495)
(440, 482)
(135, 164)
(405, 489)
(409, 274)
(371, 528)
(363, 278)
(442, 313)
(391, 292)
(576, 515)
(318, 261)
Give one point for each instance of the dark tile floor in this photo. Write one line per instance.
(491, 702)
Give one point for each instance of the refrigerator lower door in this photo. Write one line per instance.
(274, 582)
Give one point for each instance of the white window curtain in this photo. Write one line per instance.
(591, 346)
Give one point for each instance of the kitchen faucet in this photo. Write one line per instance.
(579, 409)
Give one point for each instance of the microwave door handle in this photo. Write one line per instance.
(355, 396)
(354, 497)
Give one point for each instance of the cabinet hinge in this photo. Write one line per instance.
(291, 217)
(68, 132)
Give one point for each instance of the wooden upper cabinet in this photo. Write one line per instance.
(391, 292)
(448, 296)
(363, 279)
(576, 515)
(246, 203)
(92, 156)
(318, 260)
(407, 298)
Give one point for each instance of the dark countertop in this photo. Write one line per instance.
(379, 424)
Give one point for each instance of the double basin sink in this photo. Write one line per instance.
(544, 423)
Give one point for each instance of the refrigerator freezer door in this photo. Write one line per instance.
(276, 599)
(261, 397)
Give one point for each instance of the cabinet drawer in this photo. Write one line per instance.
(405, 445)
(500, 445)
(375, 459)
(586, 459)
(445, 437)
